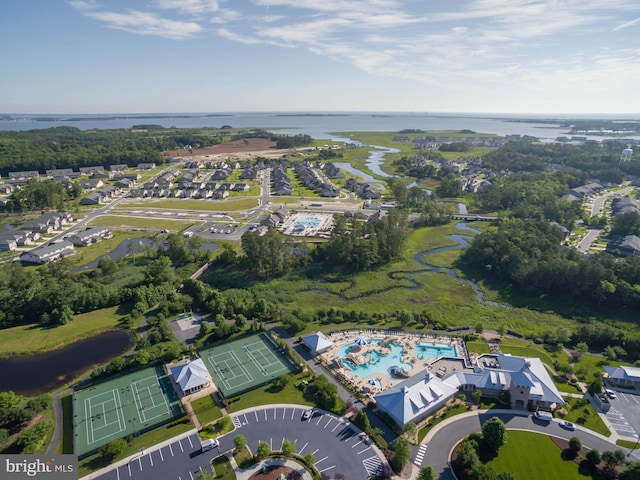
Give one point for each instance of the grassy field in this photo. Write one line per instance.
(206, 410)
(223, 469)
(582, 413)
(518, 458)
(139, 221)
(270, 395)
(404, 284)
(33, 339)
(94, 251)
(188, 204)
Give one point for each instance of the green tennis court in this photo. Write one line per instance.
(129, 405)
(242, 365)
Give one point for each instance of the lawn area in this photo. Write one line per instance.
(95, 462)
(206, 410)
(581, 412)
(478, 346)
(269, 395)
(527, 349)
(223, 468)
(188, 204)
(534, 456)
(134, 221)
(92, 252)
(31, 339)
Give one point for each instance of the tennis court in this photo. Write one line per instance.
(129, 405)
(242, 365)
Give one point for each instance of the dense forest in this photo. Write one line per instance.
(582, 162)
(354, 244)
(70, 147)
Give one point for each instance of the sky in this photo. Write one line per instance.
(485, 56)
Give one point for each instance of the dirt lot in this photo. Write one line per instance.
(238, 146)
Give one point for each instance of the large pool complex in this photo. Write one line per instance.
(382, 358)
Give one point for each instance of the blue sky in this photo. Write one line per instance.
(502, 56)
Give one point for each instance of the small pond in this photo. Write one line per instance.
(40, 373)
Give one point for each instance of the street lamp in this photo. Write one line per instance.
(635, 446)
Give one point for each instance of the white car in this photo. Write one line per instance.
(567, 425)
(306, 415)
(610, 393)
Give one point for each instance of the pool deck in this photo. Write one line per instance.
(406, 340)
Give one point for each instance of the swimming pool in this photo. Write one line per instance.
(307, 222)
(428, 350)
(378, 364)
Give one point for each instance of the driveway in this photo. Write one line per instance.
(441, 442)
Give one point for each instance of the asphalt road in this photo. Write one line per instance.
(440, 445)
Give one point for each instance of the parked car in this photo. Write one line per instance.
(567, 425)
(208, 444)
(306, 415)
(610, 393)
(544, 416)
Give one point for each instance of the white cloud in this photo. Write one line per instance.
(143, 23)
(84, 4)
(188, 6)
(627, 24)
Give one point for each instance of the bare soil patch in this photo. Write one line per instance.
(237, 146)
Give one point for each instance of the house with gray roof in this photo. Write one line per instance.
(48, 253)
(623, 377)
(191, 377)
(525, 379)
(626, 246)
(317, 343)
(89, 236)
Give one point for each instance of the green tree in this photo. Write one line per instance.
(575, 444)
(402, 454)
(505, 476)
(309, 459)
(612, 460)
(494, 433)
(410, 428)
(240, 442)
(288, 447)
(595, 387)
(263, 450)
(594, 457)
(482, 471)
(630, 472)
(427, 473)
(479, 328)
(113, 449)
(4, 435)
(224, 424)
(610, 353)
(362, 421)
(502, 330)
(476, 395)
(468, 454)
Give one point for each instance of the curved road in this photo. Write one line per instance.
(440, 441)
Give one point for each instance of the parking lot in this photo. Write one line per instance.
(624, 415)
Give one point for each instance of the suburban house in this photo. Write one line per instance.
(526, 381)
(627, 245)
(7, 244)
(48, 253)
(23, 176)
(317, 343)
(191, 377)
(623, 377)
(146, 166)
(89, 236)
